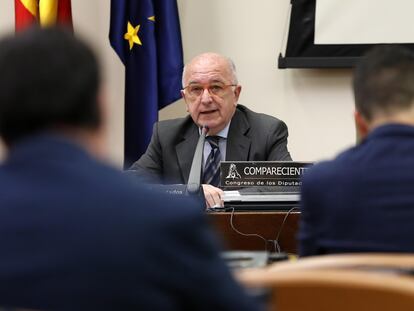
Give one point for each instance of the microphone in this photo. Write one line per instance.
(194, 179)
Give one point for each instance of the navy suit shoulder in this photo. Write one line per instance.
(362, 200)
(91, 240)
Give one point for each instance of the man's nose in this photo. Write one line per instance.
(206, 97)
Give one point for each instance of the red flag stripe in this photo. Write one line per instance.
(65, 13)
(23, 17)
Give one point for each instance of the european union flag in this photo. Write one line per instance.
(146, 36)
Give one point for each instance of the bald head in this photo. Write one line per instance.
(210, 59)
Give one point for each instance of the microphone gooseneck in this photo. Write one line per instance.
(194, 179)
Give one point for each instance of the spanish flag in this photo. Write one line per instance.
(42, 12)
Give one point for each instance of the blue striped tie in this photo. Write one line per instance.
(212, 169)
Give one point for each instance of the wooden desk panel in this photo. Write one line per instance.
(266, 224)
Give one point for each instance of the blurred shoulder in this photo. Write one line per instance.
(325, 172)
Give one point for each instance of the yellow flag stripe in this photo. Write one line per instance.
(31, 6)
(48, 12)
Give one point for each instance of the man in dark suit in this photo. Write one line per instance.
(211, 92)
(363, 200)
(75, 234)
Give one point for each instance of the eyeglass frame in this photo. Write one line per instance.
(204, 86)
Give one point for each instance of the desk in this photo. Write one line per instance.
(266, 224)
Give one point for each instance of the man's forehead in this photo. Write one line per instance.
(206, 76)
(208, 71)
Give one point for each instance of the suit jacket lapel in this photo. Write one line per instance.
(185, 151)
(238, 144)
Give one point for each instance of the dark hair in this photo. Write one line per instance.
(384, 81)
(48, 79)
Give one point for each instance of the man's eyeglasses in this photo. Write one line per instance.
(217, 89)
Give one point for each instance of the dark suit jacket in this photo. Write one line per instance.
(252, 137)
(77, 235)
(364, 199)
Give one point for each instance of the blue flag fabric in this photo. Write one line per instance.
(146, 36)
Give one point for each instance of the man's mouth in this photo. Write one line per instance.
(208, 112)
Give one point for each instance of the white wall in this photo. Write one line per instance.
(317, 105)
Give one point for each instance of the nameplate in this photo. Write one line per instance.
(262, 173)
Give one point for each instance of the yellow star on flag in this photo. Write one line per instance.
(31, 6)
(132, 35)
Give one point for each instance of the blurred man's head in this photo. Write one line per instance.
(384, 88)
(49, 80)
(211, 90)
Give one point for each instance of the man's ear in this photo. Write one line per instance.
(237, 91)
(185, 100)
(361, 125)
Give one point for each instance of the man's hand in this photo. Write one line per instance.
(213, 196)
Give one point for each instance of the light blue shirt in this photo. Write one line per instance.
(222, 145)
